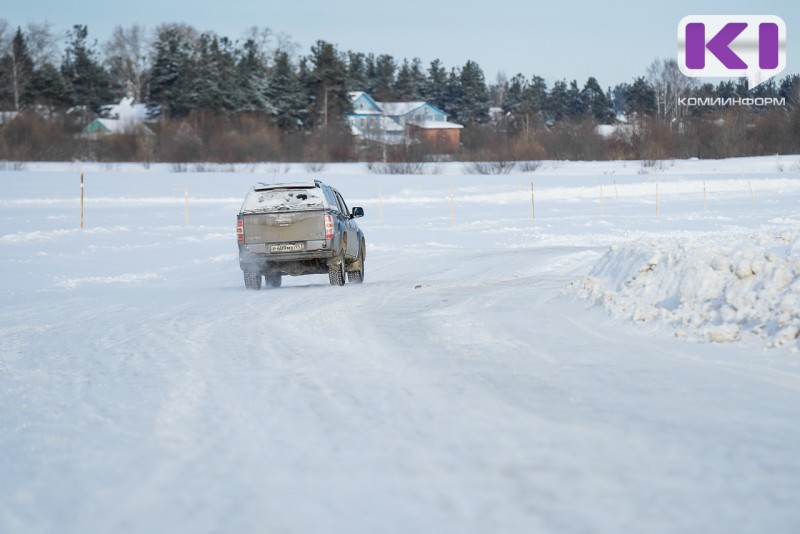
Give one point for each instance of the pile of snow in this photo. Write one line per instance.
(723, 294)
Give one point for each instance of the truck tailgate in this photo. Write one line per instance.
(283, 227)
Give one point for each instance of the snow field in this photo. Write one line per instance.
(461, 388)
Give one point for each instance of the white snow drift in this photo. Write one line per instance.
(720, 293)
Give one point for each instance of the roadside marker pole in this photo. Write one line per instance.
(657, 206)
(705, 205)
(186, 202)
(752, 195)
(533, 204)
(616, 193)
(81, 201)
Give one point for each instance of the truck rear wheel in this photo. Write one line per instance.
(357, 276)
(252, 280)
(336, 273)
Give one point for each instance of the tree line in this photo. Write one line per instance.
(257, 99)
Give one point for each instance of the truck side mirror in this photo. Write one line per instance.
(357, 212)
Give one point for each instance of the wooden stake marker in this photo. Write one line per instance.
(657, 199)
(81, 201)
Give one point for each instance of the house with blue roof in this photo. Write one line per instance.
(393, 123)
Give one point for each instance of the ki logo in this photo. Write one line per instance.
(727, 46)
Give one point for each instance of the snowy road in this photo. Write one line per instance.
(143, 389)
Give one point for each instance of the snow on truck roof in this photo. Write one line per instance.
(261, 186)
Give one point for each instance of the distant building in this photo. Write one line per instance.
(123, 118)
(402, 122)
(99, 127)
(619, 130)
(8, 116)
(440, 137)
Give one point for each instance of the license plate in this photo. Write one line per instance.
(287, 247)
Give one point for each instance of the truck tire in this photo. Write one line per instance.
(252, 280)
(357, 276)
(336, 274)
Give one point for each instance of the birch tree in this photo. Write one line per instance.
(126, 54)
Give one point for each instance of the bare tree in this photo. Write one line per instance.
(654, 77)
(126, 54)
(19, 63)
(666, 78)
(270, 43)
(285, 43)
(793, 93)
(41, 43)
(5, 36)
(497, 92)
(5, 48)
(15, 63)
(262, 38)
(185, 32)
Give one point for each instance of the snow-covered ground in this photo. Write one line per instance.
(624, 364)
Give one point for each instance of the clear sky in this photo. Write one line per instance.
(613, 40)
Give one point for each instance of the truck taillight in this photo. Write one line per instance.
(328, 226)
(240, 231)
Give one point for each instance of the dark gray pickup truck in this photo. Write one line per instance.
(296, 229)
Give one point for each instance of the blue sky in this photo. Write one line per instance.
(613, 40)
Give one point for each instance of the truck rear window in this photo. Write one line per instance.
(284, 200)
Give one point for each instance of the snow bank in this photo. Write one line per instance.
(723, 294)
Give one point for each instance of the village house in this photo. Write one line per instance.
(403, 122)
(8, 116)
(122, 118)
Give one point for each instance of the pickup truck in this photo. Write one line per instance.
(296, 229)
